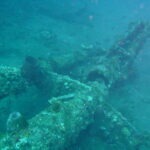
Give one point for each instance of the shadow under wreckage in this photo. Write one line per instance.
(74, 104)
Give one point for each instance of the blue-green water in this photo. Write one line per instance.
(46, 28)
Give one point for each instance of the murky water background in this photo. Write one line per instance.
(44, 28)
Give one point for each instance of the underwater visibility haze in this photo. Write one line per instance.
(74, 75)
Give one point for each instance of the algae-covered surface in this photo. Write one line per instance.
(74, 75)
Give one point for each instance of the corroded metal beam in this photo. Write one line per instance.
(60, 123)
(73, 105)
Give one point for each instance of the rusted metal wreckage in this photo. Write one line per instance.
(73, 103)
